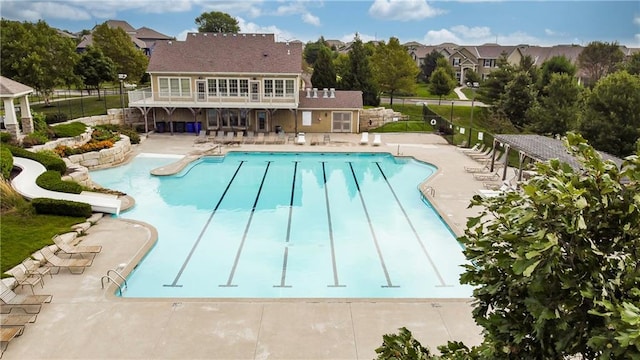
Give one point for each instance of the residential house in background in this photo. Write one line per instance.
(143, 38)
(239, 82)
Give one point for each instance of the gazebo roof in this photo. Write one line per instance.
(544, 148)
(12, 89)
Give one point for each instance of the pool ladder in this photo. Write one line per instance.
(109, 278)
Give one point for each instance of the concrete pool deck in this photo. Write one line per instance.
(86, 322)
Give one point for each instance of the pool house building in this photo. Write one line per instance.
(239, 82)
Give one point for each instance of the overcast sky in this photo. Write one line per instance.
(467, 22)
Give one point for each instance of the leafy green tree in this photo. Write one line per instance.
(599, 59)
(554, 65)
(94, 68)
(632, 64)
(324, 74)
(359, 76)
(611, 119)
(117, 45)
(441, 83)
(36, 55)
(394, 69)
(471, 77)
(217, 22)
(402, 346)
(341, 64)
(312, 49)
(444, 64)
(518, 97)
(429, 64)
(556, 112)
(494, 85)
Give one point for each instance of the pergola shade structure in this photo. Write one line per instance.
(538, 148)
(9, 91)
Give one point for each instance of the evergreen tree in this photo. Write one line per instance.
(599, 59)
(359, 76)
(556, 111)
(518, 97)
(494, 85)
(429, 64)
(555, 65)
(324, 74)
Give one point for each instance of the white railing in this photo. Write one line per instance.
(146, 96)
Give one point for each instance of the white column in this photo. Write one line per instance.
(9, 112)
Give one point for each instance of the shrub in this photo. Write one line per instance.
(63, 150)
(69, 130)
(61, 207)
(51, 180)
(5, 137)
(56, 118)
(6, 162)
(39, 122)
(36, 138)
(133, 135)
(12, 200)
(49, 162)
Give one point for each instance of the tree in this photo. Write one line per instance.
(599, 59)
(518, 97)
(527, 64)
(441, 83)
(36, 55)
(633, 64)
(311, 50)
(611, 119)
(394, 69)
(324, 74)
(217, 22)
(117, 45)
(554, 266)
(429, 64)
(358, 75)
(94, 68)
(494, 85)
(554, 65)
(471, 77)
(556, 112)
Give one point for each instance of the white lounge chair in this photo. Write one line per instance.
(300, 140)
(376, 140)
(364, 140)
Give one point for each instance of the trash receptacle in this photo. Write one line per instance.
(190, 127)
(179, 127)
(160, 126)
(198, 127)
(278, 129)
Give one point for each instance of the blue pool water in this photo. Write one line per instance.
(289, 225)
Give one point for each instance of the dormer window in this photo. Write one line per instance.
(456, 61)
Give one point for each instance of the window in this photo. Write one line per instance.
(489, 63)
(341, 121)
(279, 88)
(289, 88)
(233, 87)
(222, 87)
(306, 118)
(174, 87)
(268, 88)
(212, 85)
(456, 61)
(244, 87)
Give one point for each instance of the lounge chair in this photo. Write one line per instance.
(376, 140)
(281, 138)
(260, 138)
(239, 137)
(475, 148)
(202, 137)
(7, 334)
(481, 156)
(54, 261)
(29, 304)
(326, 140)
(33, 268)
(77, 249)
(270, 138)
(25, 279)
(364, 140)
(219, 138)
(486, 165)
(300, 140)
(9, 320)
(228, 138)
(494, 176)
(250, 138)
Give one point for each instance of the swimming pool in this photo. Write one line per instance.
(289, 225)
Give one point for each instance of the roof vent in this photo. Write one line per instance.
(169, 42)
(308, 93)
(325, 93)
(288, 52)
(315, 93)
(264, 54)
(234, 35)
(332, 93)
(205, 34)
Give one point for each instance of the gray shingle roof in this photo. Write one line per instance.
(10, 88)
(543, 148)
(227, 53)
(344, 99)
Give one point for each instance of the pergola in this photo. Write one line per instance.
(9, 91)
(537, 148)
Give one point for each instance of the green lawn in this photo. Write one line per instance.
(81, 107)
(23, 235)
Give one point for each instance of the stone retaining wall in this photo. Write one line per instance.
(78, 166)
(376, 117)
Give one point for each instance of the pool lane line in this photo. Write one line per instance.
(285, 257)
(246, 229)
(336, 282)
(424, 249)
(206, 225)
(373, 233)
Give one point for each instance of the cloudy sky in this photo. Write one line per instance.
(466, 22)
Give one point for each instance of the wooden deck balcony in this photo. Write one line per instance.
(146, 98)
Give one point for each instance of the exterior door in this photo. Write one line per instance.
(201, 88)
(341, 122)
(261, 121)
(255, 91)
(212, 119)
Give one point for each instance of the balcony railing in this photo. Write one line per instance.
(146, 97)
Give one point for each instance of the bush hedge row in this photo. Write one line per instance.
(51, 180)
(6, 162)
(5, 137)
(49, 162)
(72, 129)
(61, 207)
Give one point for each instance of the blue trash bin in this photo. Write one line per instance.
(189, 127)
(198, 127)
(160, 126)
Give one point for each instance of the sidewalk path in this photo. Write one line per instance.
(460, 94)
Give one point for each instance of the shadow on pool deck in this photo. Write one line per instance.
(84, 321)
